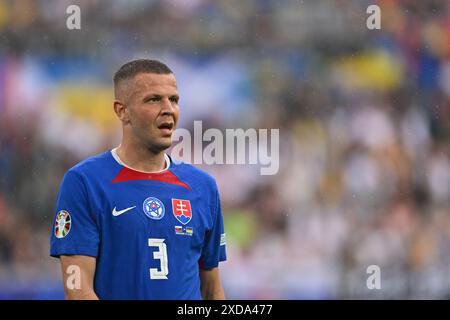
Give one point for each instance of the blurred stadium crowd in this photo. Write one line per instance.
(364, 119)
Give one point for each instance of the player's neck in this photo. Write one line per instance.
(141, 159)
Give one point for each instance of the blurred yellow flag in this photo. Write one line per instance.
(93, 103)
(376, 70)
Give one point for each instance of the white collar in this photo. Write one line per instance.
(116, 157)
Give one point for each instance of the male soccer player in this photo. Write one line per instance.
(134, 223)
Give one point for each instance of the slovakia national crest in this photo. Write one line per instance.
(182, 210)
(153, 208)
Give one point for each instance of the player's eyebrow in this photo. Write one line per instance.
(158, 96)
(151, 95)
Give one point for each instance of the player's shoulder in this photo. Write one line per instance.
(193, 173)
(92, 164)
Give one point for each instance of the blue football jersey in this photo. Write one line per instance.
(150, 232)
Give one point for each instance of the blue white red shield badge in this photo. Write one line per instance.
(182, 210)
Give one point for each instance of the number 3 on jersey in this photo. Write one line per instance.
(161, 255)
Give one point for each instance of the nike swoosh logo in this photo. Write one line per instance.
(116, 213)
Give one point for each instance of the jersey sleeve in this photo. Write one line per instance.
(75, 230)
(214, 249)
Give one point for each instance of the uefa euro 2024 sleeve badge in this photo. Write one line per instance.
(153, 208)
(63, 224)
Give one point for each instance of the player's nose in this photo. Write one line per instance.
(167, 106)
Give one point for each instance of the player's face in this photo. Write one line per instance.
(153, 109)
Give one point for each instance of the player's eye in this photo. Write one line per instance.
(174, 99)
(152, 99)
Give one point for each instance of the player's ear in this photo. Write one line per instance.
(121, 111)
